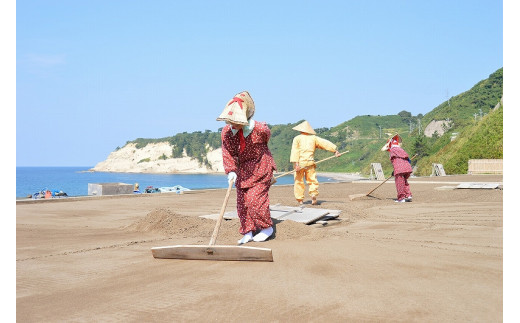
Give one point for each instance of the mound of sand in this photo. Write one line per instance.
(169, 223)
(290, 230)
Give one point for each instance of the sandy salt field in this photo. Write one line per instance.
(437, 259)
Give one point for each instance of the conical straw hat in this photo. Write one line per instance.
(305, 127)
(239, 109)
(394, 138)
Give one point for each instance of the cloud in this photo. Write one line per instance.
(41, 60)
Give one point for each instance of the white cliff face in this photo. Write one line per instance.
(439, 126)
(149, 159)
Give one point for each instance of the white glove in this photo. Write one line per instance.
(232, 177)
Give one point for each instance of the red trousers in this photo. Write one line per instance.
(402, 186)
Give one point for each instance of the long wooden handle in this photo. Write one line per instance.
(380, 184)
(294, 170)
(221, 215)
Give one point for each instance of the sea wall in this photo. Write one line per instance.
(157, 158)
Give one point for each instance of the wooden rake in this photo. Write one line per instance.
(212, 251)
(273, 180)
(355, 196)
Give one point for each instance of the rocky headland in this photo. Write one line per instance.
(157, 158)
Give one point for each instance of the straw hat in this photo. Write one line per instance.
(395, 140)
(239, 109)
(305, 127)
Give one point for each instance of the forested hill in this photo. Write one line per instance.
(463, 109)
(464, 123)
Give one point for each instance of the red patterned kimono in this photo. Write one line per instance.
(402, 171)
(254, 167)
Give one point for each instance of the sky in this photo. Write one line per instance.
(92, 75)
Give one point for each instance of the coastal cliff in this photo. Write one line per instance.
(157, 158)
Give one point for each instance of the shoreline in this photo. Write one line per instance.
(77, 191)
(337, 177)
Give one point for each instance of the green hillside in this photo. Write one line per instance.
(465, 108)
(483, 140)
(471, 115)
(361, 136)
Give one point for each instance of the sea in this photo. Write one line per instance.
(73, 181)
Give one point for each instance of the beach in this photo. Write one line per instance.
(436, 259)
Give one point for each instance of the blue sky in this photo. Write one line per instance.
(92, 75)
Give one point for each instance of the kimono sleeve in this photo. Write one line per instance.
(325, 144)
(229, 161)
(295, 150)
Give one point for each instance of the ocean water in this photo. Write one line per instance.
(74, 180)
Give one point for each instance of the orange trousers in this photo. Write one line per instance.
(309, 174)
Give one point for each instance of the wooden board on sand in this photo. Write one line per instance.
(296, 214)
(213, 252)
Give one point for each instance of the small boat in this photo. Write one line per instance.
(151, 189)
(177, 189)
(47, 194)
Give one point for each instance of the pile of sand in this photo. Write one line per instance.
(167, 222)
(291, 230)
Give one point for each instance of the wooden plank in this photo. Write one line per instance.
(378, 171)
(325, 219)
(278, 207)
(231, 215)
(316, 218)
(479, 185)
(307, 216)
(213, 252)
(441, 170)
(227, 216)
(485, 166)
(282, 215)
(438, 170)
(297, 214)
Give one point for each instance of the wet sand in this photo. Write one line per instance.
(436, 259)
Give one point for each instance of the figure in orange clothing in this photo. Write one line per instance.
(249, 164)
(302, 157)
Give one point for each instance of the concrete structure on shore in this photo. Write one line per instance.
(99, 189)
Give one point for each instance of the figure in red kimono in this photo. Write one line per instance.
(402, 168)
(249, 164)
